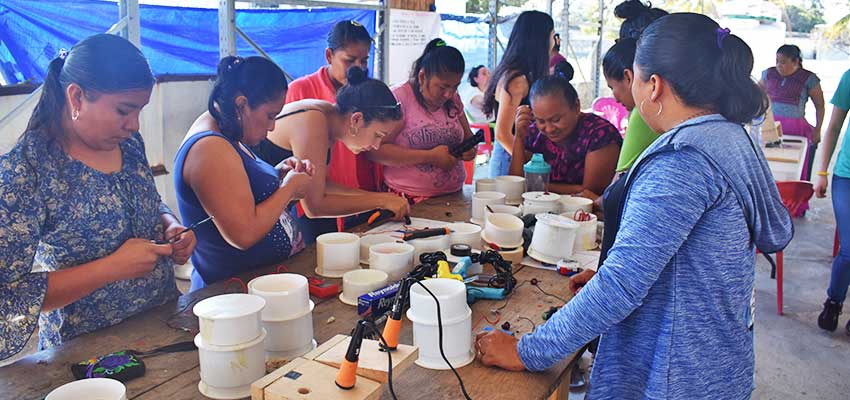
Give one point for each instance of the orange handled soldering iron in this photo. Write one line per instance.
(347, 375)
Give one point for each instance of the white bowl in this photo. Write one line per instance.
(512, 186)
(229, 319)
(571, 204)
(503, 230)
(93, 388)
(286, 295)
(230, 370)
(485, 185)
(290, 335)
(481, 200)
(540, 202)
(504, 209)
(465, 233)
(359, 282)
(553, 239)
(395, 259)
(368, 241)
(337, 253)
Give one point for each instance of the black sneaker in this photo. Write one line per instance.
(828, 318)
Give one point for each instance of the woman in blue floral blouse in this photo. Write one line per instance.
(78, 201)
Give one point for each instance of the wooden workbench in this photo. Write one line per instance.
(175, 376)
(786, 161)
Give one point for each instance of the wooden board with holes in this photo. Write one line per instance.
(176, 375)
(373, 362)
(304, 379)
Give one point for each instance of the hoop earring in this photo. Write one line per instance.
(353, 131)
(75, 114)
(660, 107)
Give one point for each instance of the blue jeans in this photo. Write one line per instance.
(840, 278)
(500, 161)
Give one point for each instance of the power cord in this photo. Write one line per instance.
(377, 333)
(536, 283)
(440, 336)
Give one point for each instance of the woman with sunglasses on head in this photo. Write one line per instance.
(581, 148)
(678, 283)
(365, 113)
(417, 161)
(348, 45)
(216, 174)
(526, 60)
(78, 200)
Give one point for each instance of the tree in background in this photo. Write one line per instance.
(483, 6)
(805, 19)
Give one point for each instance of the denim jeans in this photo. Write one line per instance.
(840, 279)
(500, 161)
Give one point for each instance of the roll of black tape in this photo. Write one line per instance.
(461, 250)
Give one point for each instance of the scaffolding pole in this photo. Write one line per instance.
(565, 24)
(597, 59)
(226, 28)
(128, 10)
(493, 14)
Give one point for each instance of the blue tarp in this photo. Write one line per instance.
(175, 40)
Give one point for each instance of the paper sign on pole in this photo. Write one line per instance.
(409, 32)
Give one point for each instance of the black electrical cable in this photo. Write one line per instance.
(440, 336)
(377, 332)
(537, 285)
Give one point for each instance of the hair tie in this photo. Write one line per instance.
(440, 43)
(722, 33)
(63, 52)
(355, 23)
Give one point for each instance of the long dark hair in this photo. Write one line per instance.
(368, 96)
(347, 32)
(99, 64)
(257, 78)
(707, 66)
(637, 16)
(527, 54)
(437, 58)
(791, 51)
(619, 58)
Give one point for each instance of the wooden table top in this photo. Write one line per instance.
(176, 375)
(786, 161)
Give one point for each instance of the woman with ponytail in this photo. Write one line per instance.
(678, 283)
(78, 200)
(581, 148)
(364, 114)
(417, 162)
(217, 175)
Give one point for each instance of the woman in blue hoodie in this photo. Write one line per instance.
(678, 283)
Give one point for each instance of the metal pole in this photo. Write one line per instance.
(226, 28)
(382, 47)
(262, 52)
(131, 31)
(494, 32)
(597, 60)
(565, 23)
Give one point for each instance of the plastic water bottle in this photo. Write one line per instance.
(755, 129)
(537, 174)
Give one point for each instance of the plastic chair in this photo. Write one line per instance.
(794, 196)
(614, 112)
(485, 148)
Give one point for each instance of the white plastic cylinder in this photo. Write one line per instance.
(503, 230)
(553, 239)
(229, 319)
(512, 186)
(368, 241)
(228, 371)
(540, 202)
(429, 245)
(456, 323)
(586, 235)
(465, 233)
(337, 253)
(480, 201)
(395, 259)
(503, 209)
(291, 336)
(571, 204)
(485, 185)
(359, 282)
(286, 295)
(93, 388)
